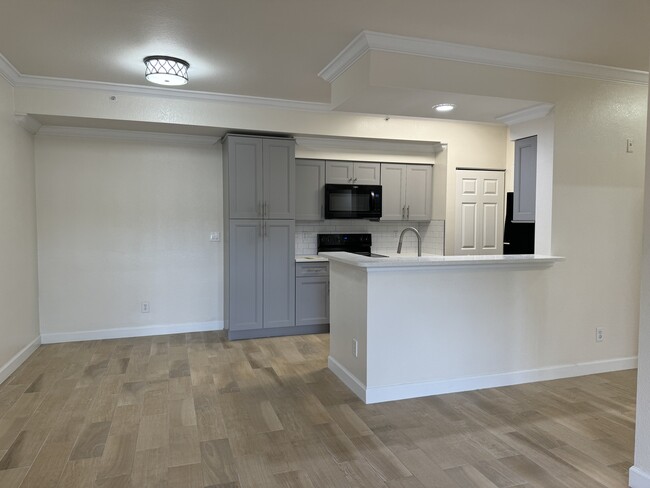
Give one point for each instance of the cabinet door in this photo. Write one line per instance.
(366, 173)
(279, 178)
(279, 273)
(523, 208)
(393, 192)
(339, 172)
(419, 184)
(244, 177)
(310, 181)
(245, 275)
(312, 301)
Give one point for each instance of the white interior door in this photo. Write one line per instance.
(479, 212)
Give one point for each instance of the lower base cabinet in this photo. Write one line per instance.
(312, 294)
(261, 286)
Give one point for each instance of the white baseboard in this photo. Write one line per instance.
(351, 381)
(639, 478)
(12, 365)
(389, 393)
(125, 332)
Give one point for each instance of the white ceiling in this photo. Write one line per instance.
(275, 49)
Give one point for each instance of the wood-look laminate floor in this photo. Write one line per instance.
(194, 411)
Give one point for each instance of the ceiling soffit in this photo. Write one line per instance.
(369, 41)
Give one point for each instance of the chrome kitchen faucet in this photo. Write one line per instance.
(401, 237)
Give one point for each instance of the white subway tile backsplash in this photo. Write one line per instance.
(385, 235)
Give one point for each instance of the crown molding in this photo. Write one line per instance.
(126, 135)
(8, 71)
(369, 146)
(526, 114)
(27, 122)
(13, 76)
(377, 41)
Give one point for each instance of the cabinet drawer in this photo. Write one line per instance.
(312, 269)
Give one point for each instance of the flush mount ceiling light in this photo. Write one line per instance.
(444, 107)
(165, 70)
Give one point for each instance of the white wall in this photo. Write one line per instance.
(640, 472)
(122, 222)
(18, 276)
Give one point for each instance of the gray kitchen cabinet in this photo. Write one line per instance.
(261, 270)
(279, 178)
(245, 292)
(243, 176)
(310, 183)
(260, 177)
(525, 180)
(312, 294)
(352, 172)
(407, 191)
(279, 272)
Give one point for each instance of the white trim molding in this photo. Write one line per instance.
(526, 114)
(415, 390)
(365, 146)
(8, 71)
(126, 332)
(127, 135)
(377, 41)
(351, 381)
(639, 478)
(15, 78)
(27, 122)
(14, 363)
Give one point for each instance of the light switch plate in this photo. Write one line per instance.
(215, 236)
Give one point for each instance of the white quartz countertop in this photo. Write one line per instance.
(311, 259)
(430, 260)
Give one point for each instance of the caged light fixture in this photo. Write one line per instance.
(165, 70)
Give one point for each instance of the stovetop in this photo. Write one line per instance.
(360, 243)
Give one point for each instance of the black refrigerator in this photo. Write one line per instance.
(518, 237)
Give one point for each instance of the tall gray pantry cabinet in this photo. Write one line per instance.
(259, 208)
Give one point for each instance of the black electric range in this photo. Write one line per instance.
(355, 243)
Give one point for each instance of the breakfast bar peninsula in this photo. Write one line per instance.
(408, 326)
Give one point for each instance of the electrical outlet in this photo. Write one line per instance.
(395, 234)
(215, 236)
(630, 146)
(600, 334)
(144, 307)
(355, 348)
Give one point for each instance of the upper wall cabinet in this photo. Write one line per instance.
(310, 184)
(525, 180)
(352, 173)
(260, 175)
(407, 192)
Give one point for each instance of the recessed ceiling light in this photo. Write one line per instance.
(165, 70)
(444, 107)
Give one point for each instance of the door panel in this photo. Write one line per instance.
(469, 232)
(279, 178)
(490, 226)
(310, 180)
(393, 191)
(312, 301)
(246, 272)
(479, 212)
(245, 177)
(366, 174)
(525, 180)
(339, 172)
(279, 273)
(419, 183)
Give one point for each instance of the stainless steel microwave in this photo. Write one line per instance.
(353, 202)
